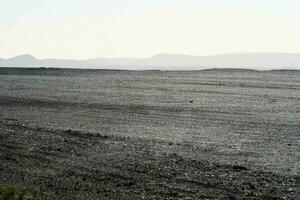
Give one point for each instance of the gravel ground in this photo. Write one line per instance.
(99, 134)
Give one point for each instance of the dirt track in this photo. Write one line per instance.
(152, 135)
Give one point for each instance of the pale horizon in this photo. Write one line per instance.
(153, 55)
(257, 61)
(137, 29)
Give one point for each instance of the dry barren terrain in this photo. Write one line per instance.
(101, 134)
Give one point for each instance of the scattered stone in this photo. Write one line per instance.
(129, 184)
(252, 187)
(239, 168)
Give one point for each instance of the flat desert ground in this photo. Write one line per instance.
(108, 134)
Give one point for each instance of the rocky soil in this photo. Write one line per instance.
(150, 135)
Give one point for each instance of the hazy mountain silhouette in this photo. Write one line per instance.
(167, 61)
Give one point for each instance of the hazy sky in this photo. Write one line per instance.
(140, 28)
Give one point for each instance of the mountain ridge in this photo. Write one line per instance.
(166, 61)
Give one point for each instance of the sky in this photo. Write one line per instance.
(82, 29)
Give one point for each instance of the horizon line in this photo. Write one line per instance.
(158, 54)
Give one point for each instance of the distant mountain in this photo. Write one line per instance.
(22, 61)
(167, 61)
